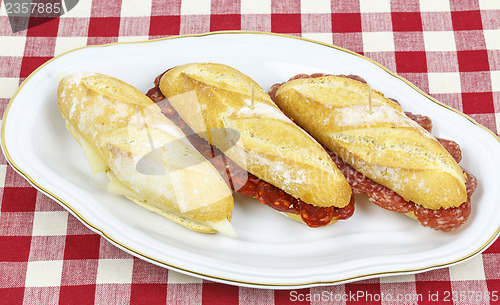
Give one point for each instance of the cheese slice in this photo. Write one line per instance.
(117, 187)
(59, 75)
(96, 162)
(222, 226)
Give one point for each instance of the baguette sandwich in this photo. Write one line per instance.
(270, 159)
(121, 129)
(383, 151)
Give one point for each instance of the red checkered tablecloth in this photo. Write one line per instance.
(448, 48)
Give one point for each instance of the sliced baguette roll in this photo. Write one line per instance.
(270, 146)
(381, 142)
(147, 158)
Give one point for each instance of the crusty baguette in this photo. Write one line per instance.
(384, 144)
(217, 97)
(120, 125)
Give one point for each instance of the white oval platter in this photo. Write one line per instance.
(270, 250)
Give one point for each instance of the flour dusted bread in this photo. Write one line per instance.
(269, 145)
(379, 141)
(146, 157)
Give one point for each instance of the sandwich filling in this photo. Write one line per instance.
(245, 183)
(443, 219)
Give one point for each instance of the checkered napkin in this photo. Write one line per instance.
(450, 49)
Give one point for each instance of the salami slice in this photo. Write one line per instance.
(422, 120)
(453, 148)
(441, 219)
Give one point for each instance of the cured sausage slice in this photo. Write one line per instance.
(441, 219)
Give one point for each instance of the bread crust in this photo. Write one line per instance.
(218, 97)
(384, 144)
(123, 124)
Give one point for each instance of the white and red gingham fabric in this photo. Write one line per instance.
(448, 48)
